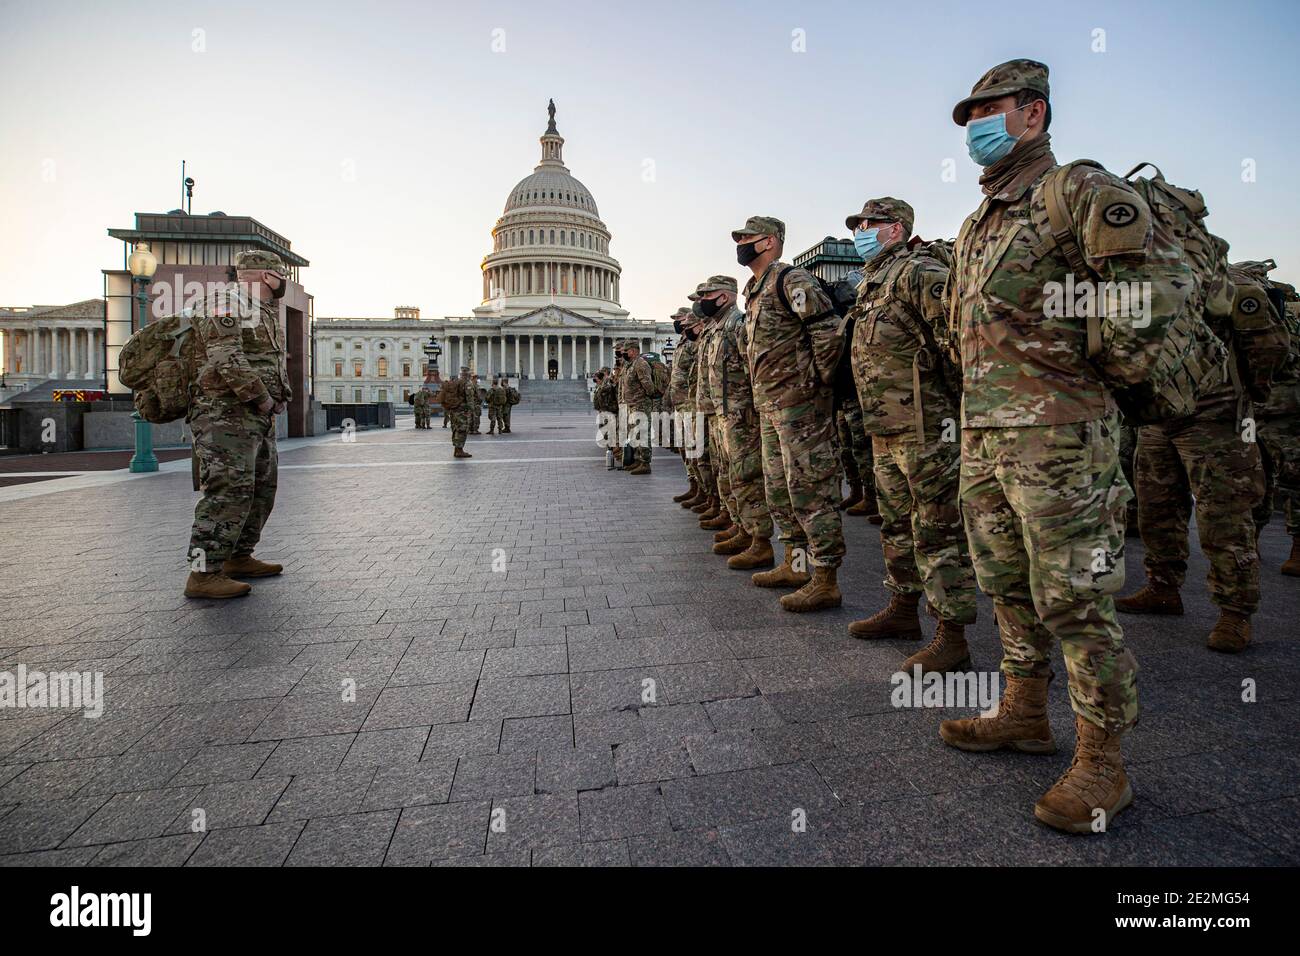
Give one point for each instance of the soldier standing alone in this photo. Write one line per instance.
(239, 383)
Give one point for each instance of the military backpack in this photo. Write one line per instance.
(156, 364)
(1159, 370)
(659, 374)
(450, 395)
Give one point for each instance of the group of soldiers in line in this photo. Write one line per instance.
(987, 440)
(462, 400)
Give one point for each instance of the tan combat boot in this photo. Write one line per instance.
(462, 453)
(1095, 781)
(721, 520)
(867, 506)
(854, 496)
(947, 652)
(1153, 598)
(640, 468)
(898, 619)
(783, 577)
(1231, 633)
(733, 545)
(698, 498)
(757, 555)
(821, 592)
(712, 511)
(727, 533)
(1020, 722)
(707, 503)
(1291, 566)
(690, 492)
(247, 566)
(214, 584)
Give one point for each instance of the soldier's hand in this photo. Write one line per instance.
(265, 405)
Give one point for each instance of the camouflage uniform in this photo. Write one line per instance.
(911, 415)
(421, 401)
(461, 417)
(703, 462)
(636, 391)
(735, 420)
(683, 403)
(512, 399)
(239, 361)
(1042, 491)
(496, 401)
(791, 355)
(708, 345)
(476, 408)
(1278, 425)
(855, 445)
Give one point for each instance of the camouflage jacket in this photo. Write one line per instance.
(238, 350)
(679, 386)
(636, 386)
(1021, 366)
(791, 352)
(706, 350)
(727, 366)
(421, 399)
(496, 397)
(893, 367)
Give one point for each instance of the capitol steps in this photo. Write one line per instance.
(543, 394)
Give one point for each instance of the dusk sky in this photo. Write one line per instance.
(383, 138)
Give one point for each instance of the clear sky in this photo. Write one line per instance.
(382, 138)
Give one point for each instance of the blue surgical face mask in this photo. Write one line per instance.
(987, 139)
(867, 242)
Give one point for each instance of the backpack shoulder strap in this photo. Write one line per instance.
(1061, 226)
(780, 288)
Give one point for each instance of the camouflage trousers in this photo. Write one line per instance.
(496, 420)
(1279, 444)
(801, 477)
(505, 415)
(1128, 439)
(855, 445)
(744, 443)
(421, 417)
(704, 464)
(460, 419)
(1044, 513)
(721, 469)
(474, 414)
(1204, 459)
(921, 534)
(239, 470)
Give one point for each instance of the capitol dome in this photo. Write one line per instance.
(550, 244)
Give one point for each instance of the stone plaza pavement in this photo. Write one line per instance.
(515, 694)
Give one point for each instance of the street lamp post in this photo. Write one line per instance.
(668, 351)
(142, 265)
(431, 351)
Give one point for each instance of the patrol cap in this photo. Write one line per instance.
(260, 259)
(684, 310)
(895, 210)
(464, 368)
(713, 284)
(760, 226)
(1003, 80)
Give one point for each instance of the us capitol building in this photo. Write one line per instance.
(550, 304)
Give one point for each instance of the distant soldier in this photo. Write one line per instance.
(239, 382)
(496, 401)
(856, 459)
(1042, 492)
(457, 396)
(794, 346)
(637, 392)
(735, 429)
(422, 400)
(719, 513)
(910, 410)
(478, 400)
(512, 399)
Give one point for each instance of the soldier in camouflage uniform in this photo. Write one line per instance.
(705, 499)
(421, 402)
(910, 412)
(735, 429)
(1279, 429)
(512, 399)
(476, 408)
(684, 359)
(1042, 491)
(856, 458)
(239, 382)
(460, 417)
(1128, 439)
(719, 514)
(636, 392)
(496, 402)
(794, 345)
(1213, 458)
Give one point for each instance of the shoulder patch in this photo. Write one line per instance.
(227, 321)
(1118, 223)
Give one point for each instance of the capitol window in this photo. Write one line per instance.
(338, 344)
(383, 368)
(356, 369)
(338, 369)
(530, 237)
(406, 370)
